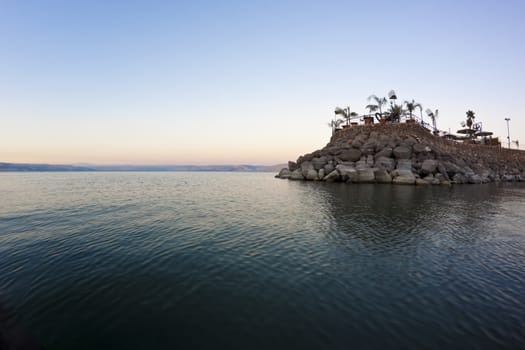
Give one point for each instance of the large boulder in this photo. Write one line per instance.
(421, 157)
(362, 164)
(347, 172)
(443, 171)
(450, 168)
(405, 179)
(403, 174)
(422, 182)
(402, 152)
(306, 167)
(292, 165)
(357, 143)
(369, 148)
(508, 178)
(297, 174)
(404, 164)
(384, 139)
(409, 142)
(311, 175)
(319, 162)
(329, 167)
(459, 178)
(365, 175)
(385, 152)
(285, 173)
(385, 163)
(382, 176)
(333, 176)
(429, 166)
(474, 179)
(351, 155)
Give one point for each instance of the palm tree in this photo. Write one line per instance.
(371, 108)
(345, 112)
(470, 118)
(411, 107)
(335, 124)
(380, 102)
(395, 113)
(433, 116)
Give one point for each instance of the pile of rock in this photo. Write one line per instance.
(397, 155)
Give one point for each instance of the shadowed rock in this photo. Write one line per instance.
(405, 154)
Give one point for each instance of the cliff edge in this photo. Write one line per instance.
(405, 154)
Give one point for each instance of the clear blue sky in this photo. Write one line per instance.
(202, 82)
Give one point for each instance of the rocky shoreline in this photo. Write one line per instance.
(405, 154)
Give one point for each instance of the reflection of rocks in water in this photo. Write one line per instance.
(407, 155)
(393, 215)
(12, 335)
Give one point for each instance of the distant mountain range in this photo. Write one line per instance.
(4, 167)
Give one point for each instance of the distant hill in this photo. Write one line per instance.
(41, 167)
(5, 167)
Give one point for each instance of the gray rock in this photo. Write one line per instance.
(369, 148)
(429, 166)
(450, 168)
(429, 178)
(402, 152)
(333, 176)
(405, 179)
(409, 142)
(329, 167)
(474, 179)
(346, 172)
(352, 164)
(404, 164)
(419, 147)
(385, 163)
(284, 173)
(362, 164)
(292, 165)
(439, 177)
(321, 173)
(385, 152)
(402, 172)
(443, 171)
(319, 162)
(351, 155)
(487, 176)
(311, 175)
(422, 182)
(382, 176)
(357, 143)
(459, 179)
(297, 174)
(306, 166)
(365, 175)
(384, 139)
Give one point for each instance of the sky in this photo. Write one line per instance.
(242, 82)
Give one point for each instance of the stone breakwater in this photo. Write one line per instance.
(405, 154)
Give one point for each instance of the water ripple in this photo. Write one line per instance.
(164, 260)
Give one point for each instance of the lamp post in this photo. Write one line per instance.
(508, 132)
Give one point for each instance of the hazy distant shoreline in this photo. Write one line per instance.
(22, 167)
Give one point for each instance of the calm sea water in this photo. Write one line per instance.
(241, 260)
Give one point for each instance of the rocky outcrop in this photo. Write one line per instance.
(405, 154)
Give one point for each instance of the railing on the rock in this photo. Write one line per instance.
(368, 120)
